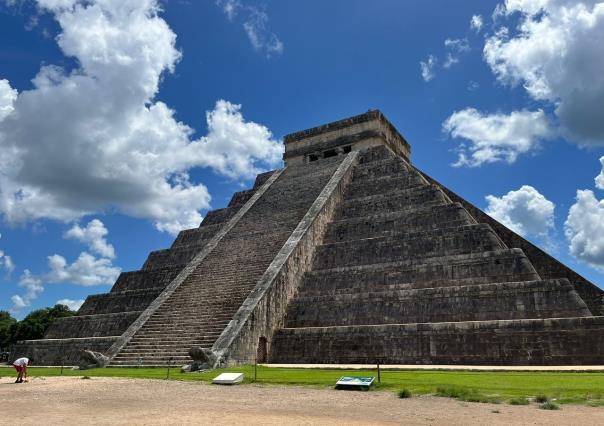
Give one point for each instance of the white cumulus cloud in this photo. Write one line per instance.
(94, 138)
(6, 263)
(74, 305)
(525, 211)
(555, 53)
(476, 23)
(94, 236)
(33, 288)
(255, 24)
(599, 180)
(427, 67)
(229, 7)
(86, 270)
(496, 137)
(8, 95)
(584, 229)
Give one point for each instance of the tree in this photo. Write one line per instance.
(6, 322)
(35, 324)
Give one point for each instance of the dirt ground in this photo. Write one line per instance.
(72, 400)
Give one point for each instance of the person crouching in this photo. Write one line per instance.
(21, 367)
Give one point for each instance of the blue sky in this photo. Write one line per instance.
(122, 122)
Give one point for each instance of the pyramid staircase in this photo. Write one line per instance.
(203, 305)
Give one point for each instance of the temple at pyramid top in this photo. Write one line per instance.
(343, 136)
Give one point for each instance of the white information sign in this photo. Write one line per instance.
(354, 382)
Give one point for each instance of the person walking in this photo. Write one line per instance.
(21, 367)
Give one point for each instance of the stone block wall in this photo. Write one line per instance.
(60, 351)
(532, 299)
(557, 341)
(546, 265)
(97, 325)
(125, 301)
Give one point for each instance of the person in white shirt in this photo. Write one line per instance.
(21, 367)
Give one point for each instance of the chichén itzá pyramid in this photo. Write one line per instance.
(349, 254)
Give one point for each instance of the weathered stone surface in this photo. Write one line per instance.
(65, 351)
(406, 275)
(91, 359)
(96, 325)
(116, 302)
(546, 265)
(557, 341)
(203, 359)
(529, 299)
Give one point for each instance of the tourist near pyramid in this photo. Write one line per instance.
(349, 254)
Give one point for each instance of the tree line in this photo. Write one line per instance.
(33, 326)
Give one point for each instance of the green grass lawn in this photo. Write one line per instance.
(565, 387)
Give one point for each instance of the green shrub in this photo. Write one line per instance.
(468, 395)
(549, 405)
(404, 393)
(541, 398)
(519, 401)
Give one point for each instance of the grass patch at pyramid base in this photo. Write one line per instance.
(564, 387)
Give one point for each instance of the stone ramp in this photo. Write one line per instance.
(400, 261)
(197, 312)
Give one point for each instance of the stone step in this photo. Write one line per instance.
(552, 341)
(397, 200)
(217, 317)
(184, 345)
(153, 358)
(384, 184)
(178, 333)
(241, 197)
(124, 301)
(174, 329)
(439, 242)
(431, 217)
(479, 268)
(138, 280)
(499, 301)
(379, 168)
(141, 344)
(169, 257)
(185, 339)
(219, 216)
(375, 154)
(97, 325)
(196, 236)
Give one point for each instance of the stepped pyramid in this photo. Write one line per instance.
(347, 255)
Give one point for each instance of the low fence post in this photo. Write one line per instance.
(255, 368)
(169, 364)
(379, 373)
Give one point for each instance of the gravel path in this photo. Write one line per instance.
(71, 400)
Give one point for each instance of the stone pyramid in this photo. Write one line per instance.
(347, 255)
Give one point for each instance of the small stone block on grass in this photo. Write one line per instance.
(228, 379)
